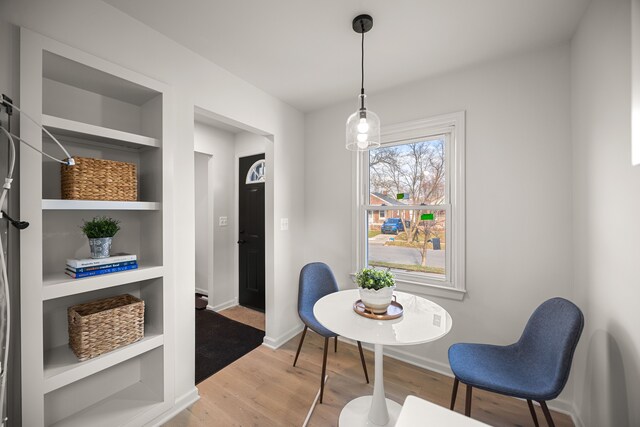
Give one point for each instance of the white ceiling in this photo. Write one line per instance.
(305, 52)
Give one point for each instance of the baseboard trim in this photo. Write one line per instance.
(274, 343)
(182, 403)
(223, 306)
(558, 405)
(202, 291)
(577, 421)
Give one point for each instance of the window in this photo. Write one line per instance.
(256, 172)
(415, 180)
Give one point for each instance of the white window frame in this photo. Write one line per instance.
(452, 127)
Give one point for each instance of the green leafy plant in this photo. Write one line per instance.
(370, 278)
(100, 226)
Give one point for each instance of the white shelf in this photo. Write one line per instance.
(61, 366)
(84, 131)
(103, 205)
(116, 410)
(58, 285)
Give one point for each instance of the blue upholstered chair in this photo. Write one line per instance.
(534, 368)
(316, 281)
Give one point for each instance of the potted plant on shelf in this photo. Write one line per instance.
(100, 231)
(376, 289)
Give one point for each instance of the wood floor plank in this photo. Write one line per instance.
(245, 315)
(264, 389)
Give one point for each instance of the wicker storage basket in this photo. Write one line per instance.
(97, 179)
(100, 326)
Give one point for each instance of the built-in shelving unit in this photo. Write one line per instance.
(100, 110)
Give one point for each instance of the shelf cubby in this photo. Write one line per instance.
(119, 395)
(62, 239)
(148, 164)
(61, 367)
(54, 314)
(87, 96)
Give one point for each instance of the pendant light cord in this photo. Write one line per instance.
(362, 69)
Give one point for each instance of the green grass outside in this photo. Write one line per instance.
(373, 233)
(407, 267)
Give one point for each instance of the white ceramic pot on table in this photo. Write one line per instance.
(377, 301)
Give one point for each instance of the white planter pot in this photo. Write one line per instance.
(377, 301)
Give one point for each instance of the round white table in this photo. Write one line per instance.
(422, 321)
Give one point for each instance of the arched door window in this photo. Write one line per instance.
(256, 172)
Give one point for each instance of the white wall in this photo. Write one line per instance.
(518, 189)
(606, 212)
(204, 217)
(100, 29)
(248, 144)
(217, 186)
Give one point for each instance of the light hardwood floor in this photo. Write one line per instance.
(264, 389)
(245, 315)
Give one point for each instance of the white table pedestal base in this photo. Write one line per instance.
(374, 410)
(356, 413)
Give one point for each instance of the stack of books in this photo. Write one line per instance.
(79, 268)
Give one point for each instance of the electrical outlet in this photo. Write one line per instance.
(284, 224)
(222, 221)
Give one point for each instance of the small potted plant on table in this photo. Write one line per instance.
(376, 289)
(100, 231)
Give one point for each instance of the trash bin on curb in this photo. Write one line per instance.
(436, 243)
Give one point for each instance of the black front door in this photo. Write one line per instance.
(251, 237)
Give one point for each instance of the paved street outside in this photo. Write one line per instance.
(402, 255)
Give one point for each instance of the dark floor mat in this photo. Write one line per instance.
(221, 341)
(201, 303)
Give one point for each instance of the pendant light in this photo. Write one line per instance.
(363, 126)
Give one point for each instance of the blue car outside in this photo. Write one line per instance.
(392, 226)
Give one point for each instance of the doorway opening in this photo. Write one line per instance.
(228, 325)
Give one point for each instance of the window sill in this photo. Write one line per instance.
(427, 289)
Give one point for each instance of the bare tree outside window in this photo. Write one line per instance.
(410, 174)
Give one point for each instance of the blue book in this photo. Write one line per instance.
(90, 262)
(100, 267)
(101, 272)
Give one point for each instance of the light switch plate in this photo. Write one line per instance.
(284, 224)
(222, 221)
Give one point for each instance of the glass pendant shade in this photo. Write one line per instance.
(363, 129)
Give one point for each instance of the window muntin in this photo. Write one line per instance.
(256, 172)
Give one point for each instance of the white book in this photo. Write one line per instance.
(89, 262)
